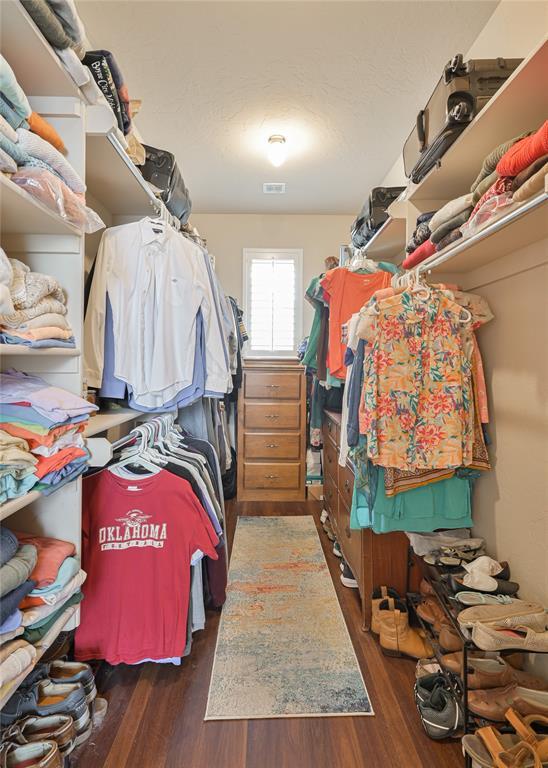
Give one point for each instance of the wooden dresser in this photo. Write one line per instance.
(272, 431)
(375, 559)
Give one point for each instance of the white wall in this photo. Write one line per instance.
(228, 234)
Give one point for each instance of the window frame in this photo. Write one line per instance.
(249, 254)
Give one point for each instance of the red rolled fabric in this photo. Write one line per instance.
(419, 254)
(524, 152)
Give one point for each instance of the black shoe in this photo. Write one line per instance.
(347, 577)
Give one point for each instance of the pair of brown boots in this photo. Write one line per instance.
(390, 621)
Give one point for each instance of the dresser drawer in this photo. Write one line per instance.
(273, 386)
(346, 485)
(330, 432)
(272, 446)
(277, 476)
(330, 459)
(269, 416)
(351, 543)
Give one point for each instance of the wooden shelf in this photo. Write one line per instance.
(9, 689)
(38, 68)
(111, 177)
(12, 506)
(389, 242)
(103, 421)
(9, 350)
(520, 227)
(520, 105)
(23, 214)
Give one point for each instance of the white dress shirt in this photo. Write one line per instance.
(156, 281)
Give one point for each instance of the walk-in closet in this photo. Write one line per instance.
(273, 403)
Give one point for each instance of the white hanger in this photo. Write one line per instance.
(360, 261)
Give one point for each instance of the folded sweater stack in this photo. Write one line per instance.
(48, 423)
(36, 313)
(40, 578)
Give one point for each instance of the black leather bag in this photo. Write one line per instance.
(373, 214)
(161, 170)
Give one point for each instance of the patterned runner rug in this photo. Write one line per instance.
(283, 649)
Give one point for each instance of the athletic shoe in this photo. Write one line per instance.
(347, 577)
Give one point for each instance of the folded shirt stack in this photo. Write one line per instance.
(40, 578)
(17, 562)
(49, 421)
(17, 467)
(37, 308)
(422, 232)
(108, 75)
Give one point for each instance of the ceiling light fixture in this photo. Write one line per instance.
(277, 150)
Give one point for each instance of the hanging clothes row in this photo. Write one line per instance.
(158, 325)
(415, 408)
(336, 295)
(153, 547)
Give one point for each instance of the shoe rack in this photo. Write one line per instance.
(458, 684)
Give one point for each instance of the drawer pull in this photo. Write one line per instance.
(271, 477)
(273, 416)
(272, 445)
(273, 386)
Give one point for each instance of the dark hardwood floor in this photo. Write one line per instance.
(155, 717)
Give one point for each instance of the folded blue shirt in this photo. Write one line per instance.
(67, 571)
(7, 338)
(26, 414)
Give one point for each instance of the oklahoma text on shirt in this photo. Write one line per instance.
(134, 532)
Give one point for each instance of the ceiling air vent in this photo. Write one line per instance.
(274, 188)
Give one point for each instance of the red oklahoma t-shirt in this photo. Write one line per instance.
(137, 547)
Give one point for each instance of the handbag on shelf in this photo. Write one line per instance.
(161, 170)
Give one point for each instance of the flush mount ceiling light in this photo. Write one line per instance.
(277, 150)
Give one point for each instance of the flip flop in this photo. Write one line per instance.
(479, 598)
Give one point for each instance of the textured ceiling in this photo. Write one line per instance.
(342, 80)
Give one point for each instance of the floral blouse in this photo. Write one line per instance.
(418, 406)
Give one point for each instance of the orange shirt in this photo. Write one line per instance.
(59, 460)
(51, 553)
(347, 292)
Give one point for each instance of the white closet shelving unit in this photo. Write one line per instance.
(43, 240)
(31, 232)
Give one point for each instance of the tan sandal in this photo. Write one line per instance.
(518, 756)
(522, 726)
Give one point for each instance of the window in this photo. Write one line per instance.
(273, 300)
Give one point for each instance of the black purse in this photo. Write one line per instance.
(161, 170)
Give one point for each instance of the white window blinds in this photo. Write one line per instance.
(273, 301)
